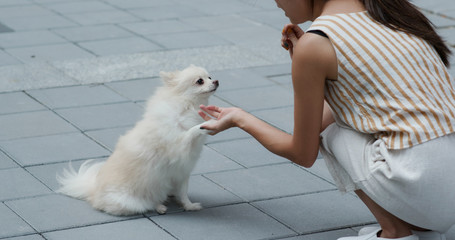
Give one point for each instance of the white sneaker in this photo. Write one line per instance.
(373, 235)
(427, 235)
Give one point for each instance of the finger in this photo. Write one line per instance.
(286, 27)
(209, 110)
(213, 111)
(210, 128)
(214, 108)
(204, 116)
(292, 37)
(297, 31)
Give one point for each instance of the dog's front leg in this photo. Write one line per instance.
(195, 132)
(182, 197)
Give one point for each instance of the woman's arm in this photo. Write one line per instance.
(312, 63)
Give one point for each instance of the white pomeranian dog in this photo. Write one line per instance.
(153, 160)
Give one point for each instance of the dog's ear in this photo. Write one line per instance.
(169, 77)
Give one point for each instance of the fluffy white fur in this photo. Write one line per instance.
(154, 159)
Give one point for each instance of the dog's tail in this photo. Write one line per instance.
(79, 184)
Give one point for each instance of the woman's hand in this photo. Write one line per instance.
(290, 35)
(225, 117)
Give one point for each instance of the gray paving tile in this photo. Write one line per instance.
(219, 22)
(136, 90)
(4, 28)
(46, 2)
(103, 116)
(55, 212)
(159, 27)
(134, 229)
(134, 4)
(166, 12)
(223, 7)
(269, 50)
(6, 162)
(32, 76)
(247, 152)
(274, 17)
(49, 53)
(283, 80)
(188, 40)
(229, 222)
(12, 225)
(273, 70)
(17, 183)
(24, 11)
(38, 22)
(146, 65)
(76, 96)
(54, 148)
(249, 35)
(448, 13)
(451, 234)
(318, 212)
(209, 194)
(282, 118)
(233, 79)
(29, 38)
(448, 35)
(79, 6)
(212, 161)
(326, 235)
(28, 237)
(16, 102)
(269, 182)
(229, 135)
(47, 173)
(108, 137)
(4, 3)
(320, 169)
(440, 21)
(88, 33)
(259, 98)
(104, 17)
(120, 46)
(6, 59)
(32, 124)
(214, 100)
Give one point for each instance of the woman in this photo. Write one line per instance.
(372, 93)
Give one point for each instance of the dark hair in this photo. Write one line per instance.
(404, 16)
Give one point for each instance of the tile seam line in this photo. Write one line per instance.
(161, 227)
(69, 122)
(25, 221)
(57, 13)
(100, 158)
(135, 217)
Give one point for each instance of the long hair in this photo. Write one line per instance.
(404, 16)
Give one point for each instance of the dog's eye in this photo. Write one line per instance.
(200, 81)
(210, 78)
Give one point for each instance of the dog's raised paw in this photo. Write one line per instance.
(192, 207)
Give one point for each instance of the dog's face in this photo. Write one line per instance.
(193, 82)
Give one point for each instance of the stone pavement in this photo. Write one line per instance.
(74, 75)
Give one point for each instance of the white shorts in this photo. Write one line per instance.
(416, 184)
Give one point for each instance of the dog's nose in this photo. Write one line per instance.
(216, 83)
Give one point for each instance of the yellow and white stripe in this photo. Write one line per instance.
(390, 83)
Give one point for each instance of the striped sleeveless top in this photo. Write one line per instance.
(390, 83)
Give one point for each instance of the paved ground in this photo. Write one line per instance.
(74, 75)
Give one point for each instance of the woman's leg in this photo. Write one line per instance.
(392, 227)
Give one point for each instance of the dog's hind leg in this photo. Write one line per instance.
(121, 204)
